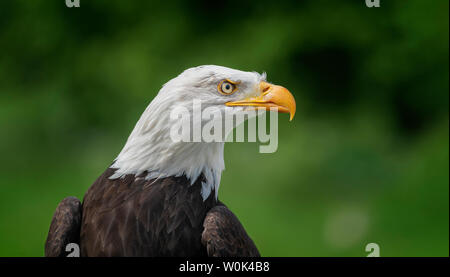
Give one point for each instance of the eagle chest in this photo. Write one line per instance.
(136, 217)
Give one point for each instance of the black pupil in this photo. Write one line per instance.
(227, 86)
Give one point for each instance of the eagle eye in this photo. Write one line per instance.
(227, 87)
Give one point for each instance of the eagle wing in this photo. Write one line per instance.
(224, 235)
(65, 227)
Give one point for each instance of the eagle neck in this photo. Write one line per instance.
(195, 161)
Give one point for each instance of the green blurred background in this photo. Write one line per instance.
(365, 159)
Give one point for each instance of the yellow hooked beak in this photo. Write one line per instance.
(270, 96)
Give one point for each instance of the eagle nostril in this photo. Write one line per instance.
(266, 89)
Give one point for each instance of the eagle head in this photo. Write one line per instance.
(150, 149)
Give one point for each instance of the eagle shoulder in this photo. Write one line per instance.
(64, 228)
(224, 235)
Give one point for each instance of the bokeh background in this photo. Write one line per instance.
(365, 160)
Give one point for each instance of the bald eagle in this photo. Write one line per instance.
(159, 196)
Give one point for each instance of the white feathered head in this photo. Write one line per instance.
(150, 147)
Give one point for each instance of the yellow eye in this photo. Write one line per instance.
(226, 87)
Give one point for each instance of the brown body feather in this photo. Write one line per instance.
(65, 227)
(132, 216)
